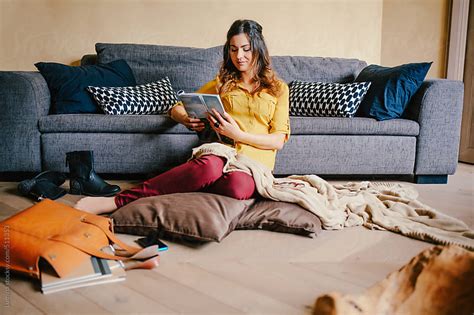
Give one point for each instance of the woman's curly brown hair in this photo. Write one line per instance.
(265, 78)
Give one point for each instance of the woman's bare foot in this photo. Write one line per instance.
(96, 205)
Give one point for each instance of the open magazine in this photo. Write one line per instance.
(199, 105)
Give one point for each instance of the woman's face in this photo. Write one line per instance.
(241, 52)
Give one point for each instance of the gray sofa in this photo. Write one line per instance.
(423, 145)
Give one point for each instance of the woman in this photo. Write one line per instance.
(256, 119)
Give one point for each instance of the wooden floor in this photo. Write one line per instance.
(251, 272)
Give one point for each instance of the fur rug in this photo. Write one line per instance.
(439, 280)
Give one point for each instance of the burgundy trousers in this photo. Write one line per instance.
(201, 174)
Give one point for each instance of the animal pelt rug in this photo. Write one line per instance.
(439, 280)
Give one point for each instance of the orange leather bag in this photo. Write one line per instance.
(65, 237)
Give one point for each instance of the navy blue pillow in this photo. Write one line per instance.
(67, 84)
(391, 89)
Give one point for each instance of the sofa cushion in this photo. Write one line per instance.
(123, 153)
(146, 99)
(67, 84)
(187, 68)
(352, 126)
(311, 69)
(391, 90)
(347, 155)
(88, 123)
(320, 99)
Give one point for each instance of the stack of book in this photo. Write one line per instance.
(92, 272)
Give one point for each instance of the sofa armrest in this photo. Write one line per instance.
(437, 107)
(24, 98)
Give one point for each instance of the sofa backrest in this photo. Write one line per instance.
(187, 68)
(190, 68)
(317, 69)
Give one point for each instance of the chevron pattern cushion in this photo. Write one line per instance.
(320, 99)
(147, 99)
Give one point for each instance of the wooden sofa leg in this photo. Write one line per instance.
(431, 179)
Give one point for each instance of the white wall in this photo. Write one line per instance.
(64, 30)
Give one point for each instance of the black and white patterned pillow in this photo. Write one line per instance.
(152, 98)
(319, 99)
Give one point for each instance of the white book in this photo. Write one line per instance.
(117, 273)
(93, 271)
(88, 270)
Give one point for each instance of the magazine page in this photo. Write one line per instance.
(194, 105)
(199, 105)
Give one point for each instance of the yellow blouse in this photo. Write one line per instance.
(261, 113)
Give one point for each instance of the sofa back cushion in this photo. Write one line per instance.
(187, 68)
(317, 69)
(190, 68)
(67, 84)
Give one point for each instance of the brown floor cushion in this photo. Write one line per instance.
(207, 217)
(280, 216)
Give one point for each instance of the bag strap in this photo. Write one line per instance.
(129, 250)
(144, 253)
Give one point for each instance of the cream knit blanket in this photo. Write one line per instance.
(382, 207)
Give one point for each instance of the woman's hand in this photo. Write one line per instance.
(178, 114)
(225, 125)
(194, 124)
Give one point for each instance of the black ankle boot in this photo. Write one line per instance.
(83, 179)
(43, 185)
